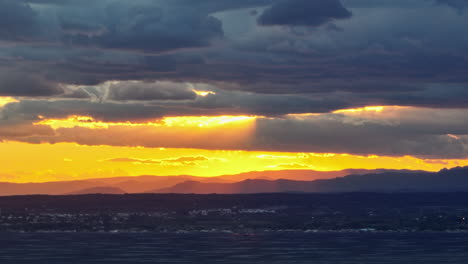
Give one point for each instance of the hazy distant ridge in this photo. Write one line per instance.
(454, 180)
(258, 182)
(99, 190)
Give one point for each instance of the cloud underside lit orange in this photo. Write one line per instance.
(204, 132)
(24, 162)
(81, 147)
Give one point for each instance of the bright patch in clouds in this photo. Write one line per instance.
(203, 93)
(6, 100)
(368, 109)
(205, 121)
(184, 121)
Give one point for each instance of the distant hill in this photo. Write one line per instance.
(246, 186)
(303, 175)
(52, 188)
(127, 184)
(453, 180)
(141, 184)
(251, 182)
(99, 190)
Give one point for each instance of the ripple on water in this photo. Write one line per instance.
(317, 248)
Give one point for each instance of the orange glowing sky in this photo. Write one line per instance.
(25, 162)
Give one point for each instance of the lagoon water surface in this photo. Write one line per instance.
(318, 248)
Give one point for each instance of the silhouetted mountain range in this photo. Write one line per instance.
(99, 190)
(455, 179)
(127, 184)
(143, 184)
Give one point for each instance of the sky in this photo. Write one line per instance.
(210, 87)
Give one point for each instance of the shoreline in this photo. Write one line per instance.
(237, 232)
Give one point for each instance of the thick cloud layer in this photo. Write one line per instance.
(146, 28)
(303, 12)
(455, 3)
(394, 131)
(134, 61)
(417, 132)
(317, 48)
(123, 91)
(26, 84)
(17, 20)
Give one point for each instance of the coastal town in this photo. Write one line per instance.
(237, 213)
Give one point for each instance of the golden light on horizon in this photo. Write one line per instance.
(204, 146)
(70, 161)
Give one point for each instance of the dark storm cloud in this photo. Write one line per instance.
(139, 26)
(436, 95)
(143, 26)
(303, 12)
(139, 60)
(17, 20)
(414, 135)
(30, 110)
(363, 94)
(267, 104)
(17, 83)
(166, 98)
(108, 111)
(379, 49)
(461, 4)
(148, 28)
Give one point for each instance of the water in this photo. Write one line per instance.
(317, 248)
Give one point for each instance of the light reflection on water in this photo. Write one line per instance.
(318, 248)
